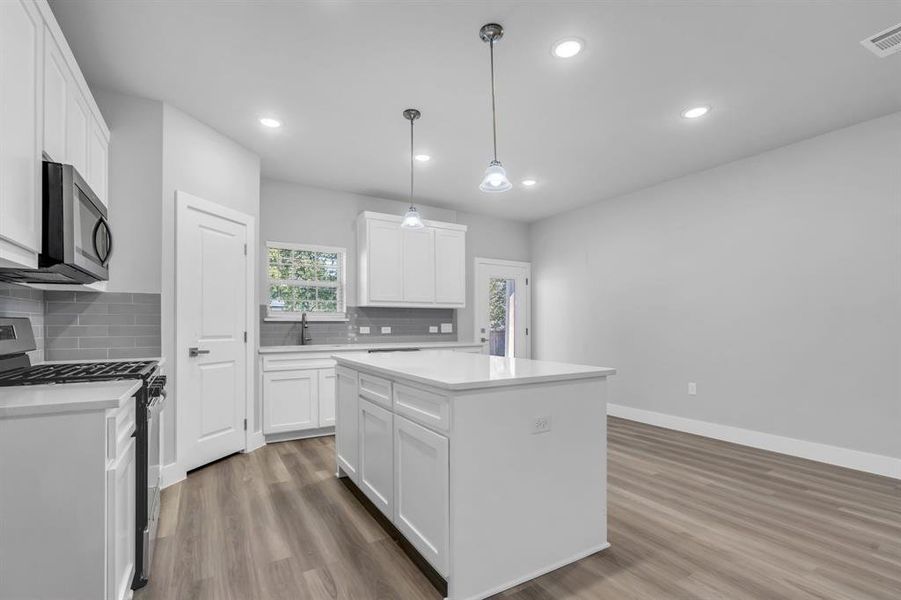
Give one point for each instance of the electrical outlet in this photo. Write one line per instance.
(433, 329)
(364, 330)
(447, 328)
(386, 330)
(541, 424)
(692, 388)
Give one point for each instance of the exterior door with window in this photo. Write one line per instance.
(503, 307)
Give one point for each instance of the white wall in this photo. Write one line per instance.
(295, 213)
(773, 282)
(202, 162)
(135, 187)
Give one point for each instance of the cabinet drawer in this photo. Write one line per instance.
(425, 408)
(375, 389)
(120, 425)
(290, 362)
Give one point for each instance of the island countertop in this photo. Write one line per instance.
(462, 371)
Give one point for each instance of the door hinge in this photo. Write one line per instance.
(245, 424)
(245, 251)
(245, 337)
(527, 281)
(527, 331)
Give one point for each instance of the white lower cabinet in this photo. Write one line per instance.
(290, 400)
(298, 392)
(120, 527)
(326, 397)
(376, 466)
(347, 407)
(421, 471)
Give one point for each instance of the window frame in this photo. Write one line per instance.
(340, 315)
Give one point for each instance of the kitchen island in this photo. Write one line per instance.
(490, 471)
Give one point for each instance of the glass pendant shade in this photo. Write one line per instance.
(412, 220)
(495, 179)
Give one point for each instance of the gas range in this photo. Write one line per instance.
(78, 372)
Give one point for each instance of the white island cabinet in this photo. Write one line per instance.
(493, 469)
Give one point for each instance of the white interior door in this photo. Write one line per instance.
(503, 307)
(212, 290)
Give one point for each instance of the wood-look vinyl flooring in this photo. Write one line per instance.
(689, 518)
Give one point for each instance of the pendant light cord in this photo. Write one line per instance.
(493, 109)
(411, 162)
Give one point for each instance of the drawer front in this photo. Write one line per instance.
(375, 389)
(425, 408)
(120, 425)
(292, 362)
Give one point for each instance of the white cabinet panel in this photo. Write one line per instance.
(419, 265)
(121, 525)
(450, 267)
(77, 120)
(98, 153)
(376, 476)
(290, 401)
(347, 419)
(421, 490)
(21, 53)
(326, 397)
(56, 84)
(386, 260)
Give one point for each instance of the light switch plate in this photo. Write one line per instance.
(433, 329)
(386, 330)
(447, 328)
(364, 330)
(692, 388)
(541, 424)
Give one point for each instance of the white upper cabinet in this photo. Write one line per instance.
(21, 33)
(410, 267)
(419, 264)
(450, 266)
(46, 109)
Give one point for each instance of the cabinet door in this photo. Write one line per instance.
(290, 401)
(77, 120)
(98, 156)
(386, 262)
(347, 417)
(20, 159)
(326, 397)
(120, 530)
(421, 490)
(450, 267)
(56, 83)
(376, 477)
(419, 265)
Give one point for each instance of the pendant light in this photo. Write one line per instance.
(412, 220)
(495, 178)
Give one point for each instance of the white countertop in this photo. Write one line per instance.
(365, 347)
(25, 400)
(463, 371)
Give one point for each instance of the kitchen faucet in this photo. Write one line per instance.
(304, 339)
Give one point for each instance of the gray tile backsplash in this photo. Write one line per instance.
(92, 325)
(407, 325)
(20, 301)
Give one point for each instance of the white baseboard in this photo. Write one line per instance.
(171, 474)
(298, 435)
(877, 464)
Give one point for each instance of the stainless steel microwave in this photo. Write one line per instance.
(76, 239)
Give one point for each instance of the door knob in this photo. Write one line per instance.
(484, 340)
(197, 351)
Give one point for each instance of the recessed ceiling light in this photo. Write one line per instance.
(423, 157)
(528, 182)
(696, 112)
(567, 48)
(270, 122)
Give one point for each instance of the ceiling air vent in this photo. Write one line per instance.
(885, 42)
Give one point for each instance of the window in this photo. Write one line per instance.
(306, 279)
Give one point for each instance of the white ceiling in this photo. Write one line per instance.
(338, 74)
